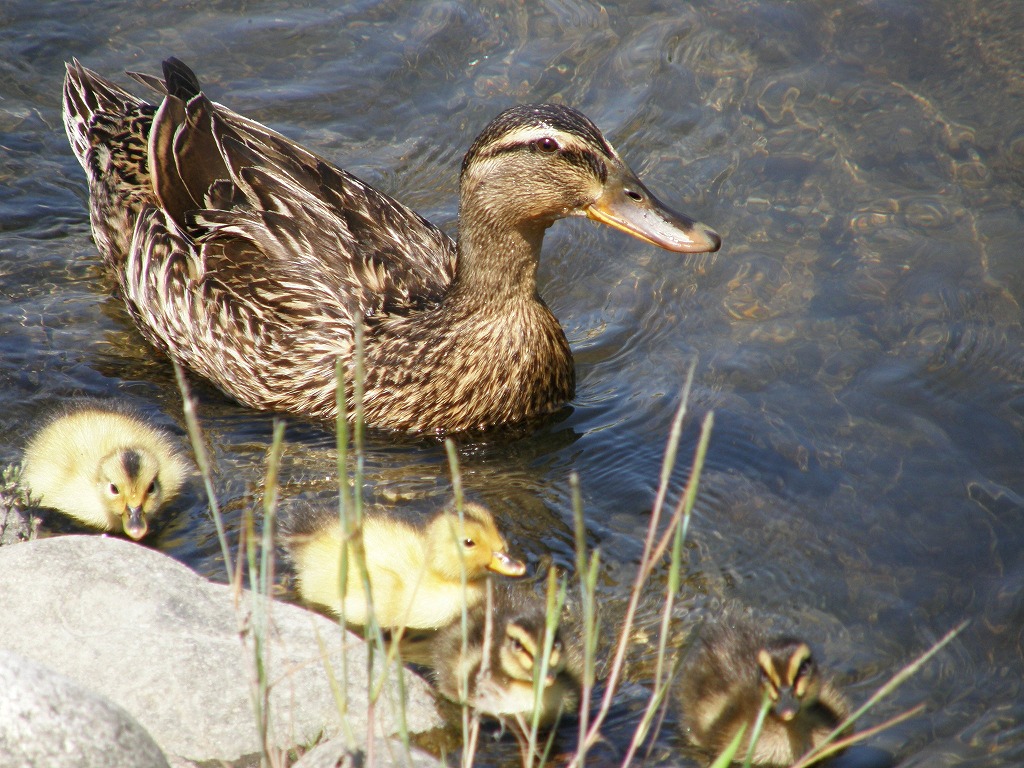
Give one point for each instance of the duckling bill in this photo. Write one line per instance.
(724, 683)
(251, 260)
(104, 466)
(415, 572)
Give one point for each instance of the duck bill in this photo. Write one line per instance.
(787, 707)
(505, 565)
(134, 522)
(628, 206)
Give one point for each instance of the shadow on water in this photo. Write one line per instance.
(859, 337)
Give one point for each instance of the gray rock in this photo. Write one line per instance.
(337, 753)
(50, 721)
(176, 651)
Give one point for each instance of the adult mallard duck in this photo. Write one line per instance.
(729, 671)
(250, 260)
(103, 465)
(415, 571)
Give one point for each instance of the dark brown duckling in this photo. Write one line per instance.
(498, 667)
(723, 682)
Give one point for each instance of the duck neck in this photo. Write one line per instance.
(497, 255)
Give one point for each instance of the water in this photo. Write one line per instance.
(859, 336)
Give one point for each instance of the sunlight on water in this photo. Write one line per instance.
(859, 336)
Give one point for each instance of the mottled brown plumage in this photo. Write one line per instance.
(250, 259)
(725, 678)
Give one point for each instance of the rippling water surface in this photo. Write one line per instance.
(858, 337)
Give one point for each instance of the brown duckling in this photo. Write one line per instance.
(103, 465)
(500, 662)
(723, 683)
(415, 572)
(251, 260)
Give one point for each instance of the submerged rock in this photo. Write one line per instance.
(176, 651)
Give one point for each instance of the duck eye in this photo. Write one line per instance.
(547, 145)
(468, 543)
(804, 669)
(152, 488)
(632, 194)
(113, 489)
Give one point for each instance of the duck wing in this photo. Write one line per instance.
(246, 199)
(253, 197)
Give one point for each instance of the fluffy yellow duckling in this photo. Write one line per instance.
(722, 686)
(494, 670)
(415, 572)
(104, 466)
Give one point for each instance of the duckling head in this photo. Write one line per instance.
(129, 485)
(535, 163)
(475, 545)
(790, 676)
(508, 686)
(519, 654)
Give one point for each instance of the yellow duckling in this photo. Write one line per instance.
(723, 685)
(104, 466)
(495, 670)
(415, 573)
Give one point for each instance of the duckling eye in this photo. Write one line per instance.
(113, 489)
(546, 145)
(152, 488)
(517, 646)
(468, 543)
(804, 669)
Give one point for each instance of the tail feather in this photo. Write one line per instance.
(87, 95)
(181, 81)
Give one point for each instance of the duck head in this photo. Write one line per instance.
(537, 163)
(129, 485)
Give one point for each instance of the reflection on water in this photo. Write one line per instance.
(859, 337)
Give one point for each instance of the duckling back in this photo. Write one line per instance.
(103, 465)
(414, 572)
(724, 680)
(395, 562)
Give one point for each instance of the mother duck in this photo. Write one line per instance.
(251, 260)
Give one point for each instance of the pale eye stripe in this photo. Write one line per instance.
(802, 653)
(527, 134)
